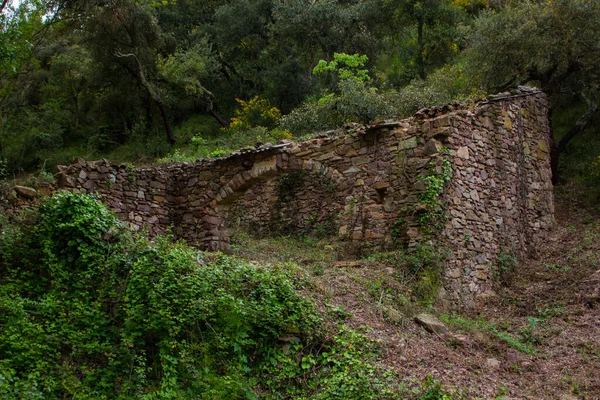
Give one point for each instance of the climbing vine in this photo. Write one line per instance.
(430, 209)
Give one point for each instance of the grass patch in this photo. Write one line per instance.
(309, 252)
(520, 342)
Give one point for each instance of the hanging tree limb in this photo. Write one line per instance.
(141, 78)
(581, 124)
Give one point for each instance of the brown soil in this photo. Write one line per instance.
(557, 290)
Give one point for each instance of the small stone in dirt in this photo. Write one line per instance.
(458, 340)
(27, 192)
(430, 323)
(394, 316)
(492, 363)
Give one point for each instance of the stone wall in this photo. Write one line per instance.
(364, 183)
(500, 199)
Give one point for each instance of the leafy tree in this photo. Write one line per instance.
(553, 44)
(20, 27)
(352, 98)
(345, 66)
(69, 83)
(429, 28)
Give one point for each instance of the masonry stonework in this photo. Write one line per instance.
(363, 184)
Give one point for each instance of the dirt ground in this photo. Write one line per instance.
(539, 338)
(551, 305)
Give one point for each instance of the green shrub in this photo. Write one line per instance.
(419, 267)
(354, 102)
(89, 311)
(445, 85)
(507, 263)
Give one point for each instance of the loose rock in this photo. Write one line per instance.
(431, 323)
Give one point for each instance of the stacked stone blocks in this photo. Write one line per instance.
(363, 180)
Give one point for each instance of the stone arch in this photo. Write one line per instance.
(270, 168)
(261, 171)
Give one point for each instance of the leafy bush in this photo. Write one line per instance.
(419, 267)
(579, 166)
(354, 102)
(255, 112)
(88, 310)
(505, 268)
(443, 86)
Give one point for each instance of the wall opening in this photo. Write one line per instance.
(292, 203)
(381, 192)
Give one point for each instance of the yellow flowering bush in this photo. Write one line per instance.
(255, 112)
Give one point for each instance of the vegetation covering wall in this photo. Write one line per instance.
(449, 175)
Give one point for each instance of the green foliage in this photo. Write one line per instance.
(87, 310)
(552, 42)
(430, 209)
(433, 390)
(419, 267)
(102, 313)
(398, 228)
(254, 112)
(344, 370)
(444, 85)
(3, 168)
(253, 124)
(351, 99)
(521, 342)
(507, 263)
(224, 143)
(580, 165)
(347, 67)
(187, 69)
(427, 34)
(354, 101)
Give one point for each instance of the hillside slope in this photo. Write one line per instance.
(537, 339)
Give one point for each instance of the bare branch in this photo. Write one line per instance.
(4, 3)
(141, 76)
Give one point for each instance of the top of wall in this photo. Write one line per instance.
(475, 106)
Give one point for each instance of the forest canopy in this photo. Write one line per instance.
(140, 80)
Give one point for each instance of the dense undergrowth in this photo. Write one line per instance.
(87, 310)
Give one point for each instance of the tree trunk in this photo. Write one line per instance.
(153, 93)
(165, 118)
(556, 149)
(420, 48)
(579, 126)
(218, 117)
(553, 151)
